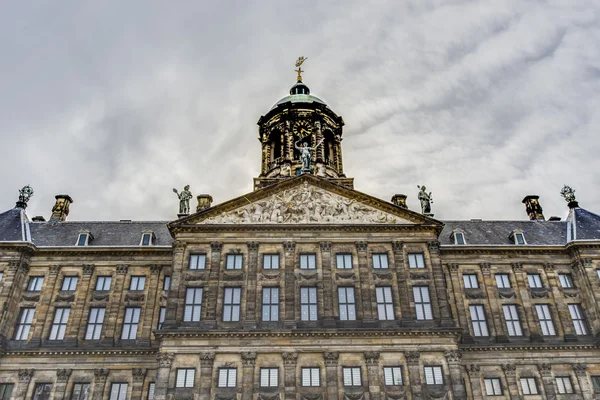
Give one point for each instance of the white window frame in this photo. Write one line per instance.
(270, 304)
(101, 283)
(566, 281)
(512, 319)
(528, 385)
(564, 385)
(423, 308)
(535, 281)
(416, 260)
(1, 276)
(470, 281)
(478, 320)
(162, 315)
(347, 303)
(493, 386)
(42, 391)
(269, 377)
(503, 281)
(380, 261)
(578, 318)
(434, 375)
(308, 261)
(87, 238)
(193, 304)
(385, 303)
(545, 318)
(309, 303)
(311, 377)
(35, 283)
(352, 376)
(197, 261)
(185, 378)
(95, 323)
(131, 321)
(137, 283)
(69, 283)
(81, 391)
(59, 323)
(392, 376)
(167, 283)
(456, 236)
(118, 391)
(271, 261)
(515, 235)
(232, 306)
(234, 262)
(227, 378)
(24, 323)
(343, 261)
(150, 236)
(151, 390)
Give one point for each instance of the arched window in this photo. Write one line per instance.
(328, 145)
(276, 141)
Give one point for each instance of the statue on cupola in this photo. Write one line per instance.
(306, 156)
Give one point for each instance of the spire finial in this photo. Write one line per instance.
(24, 196)
(299, 70)
(568, 193)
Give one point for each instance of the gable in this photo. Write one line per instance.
(306, 199)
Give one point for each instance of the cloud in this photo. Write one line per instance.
(117, 103)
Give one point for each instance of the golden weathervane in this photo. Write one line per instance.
(299, 70)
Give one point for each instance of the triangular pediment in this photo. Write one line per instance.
(306, 200)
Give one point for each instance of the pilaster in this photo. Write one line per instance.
(455, 280)
(372, 361)
(176, 294)
(62, 377)
(116, 302)
(78, 325)
(164, 361)
(331, 359)
(547, 381)
(25, 376)
(510, 373)
(413, 361)
(248, 363)
(402, 276)
(290, 282)
(438, 280)
(454, 357)
(328, 320)
(43, 311)
(213, 282)
(207, 361)
(473, 370)
(250, 321)
(12, 290)
(138, 375)
(289, 365)
(100, 377)
(582, 378)
(369, 316)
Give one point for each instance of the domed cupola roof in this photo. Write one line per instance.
(299, 88)
(299, 93)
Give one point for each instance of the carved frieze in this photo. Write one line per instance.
(139, 374)
(453, 356)
(509, 369)
(412, 357)
(165, 360)
(248, 359)
(419, 275)
(580, 369)
(472, 369)
(268, 276)
(229, 396)
(25, 375)
(331, 357)
(539, 293)
(289, 359)
(100, 374)
(100, 296)
(233, 276)
(325, 246)
(434, 247)
(474, 294)
(371, 357)
(354, 396)
(62, 375)
(207, 359)
(270, 396)
(216, 246)
(506, 293)
(545, 369)
(289, 246)
(54, 269)
(253, 246)
(88, 269)
(194, 276)
(397, 246)
(155, 269)
(134, 296)
(122, 269)
(311, 396)
(345, 275)
(383, 275)
(307, 277)
(361, 246)
(28, 296)
(65, 296)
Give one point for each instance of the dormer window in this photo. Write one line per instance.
(147, 239)
(518, 237)
(459, 237)
(84, 238)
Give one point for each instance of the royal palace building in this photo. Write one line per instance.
(303, 289)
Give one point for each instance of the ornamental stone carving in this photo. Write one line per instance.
(580, 369)
(354, 396)
(331, 357)
(165, 360)
(371, 357)
(25, 375)
(253, 246)
(485, 266)
(509, 369)
(216, 246)
(122, 269)
(545, 369)
(453, 267)
(262, 396)
(289, 246)
(155, 269)
(54, 269)
(248, 359)
(549, 267)
(207, 359)
(412, 357)
(397, 246)
(325, 246)
(62, 375)
(517, 267)
(361, 246)
(88, 269)
(139, 374)
(472, 369)
(434, 247)
(304, 204)
(100, 374)
(289, 359)
(453, 356)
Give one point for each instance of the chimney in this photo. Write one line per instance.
(38, 218)
(204, 202)
(61, 208)
(399, 200)
(533, 208)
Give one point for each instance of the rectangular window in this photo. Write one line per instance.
(269, 377)
(162, 313)
(433, 375)
(534, 280)
(234, 261)
(513, 323)
(227, 377)
(392, 376)
(103, 283)
(351, 376)
(502, 281)
(596, 383)
(94, 326)
(343, 261)
(6, 390)
(270, 261)
(232, 300)
(470, 281)
(69, 283)
(480, 327)
(151, 389)
(82, 239)
(24, 324)
(311, 377)
(385, 305)
(308, 304)
(493, 387)
(578, 319)
(416, 260)
(308, 261)
(543, 313)
(118, 391)
(347, 305)
(146, 239)
(130, 323)
(380, 261)
(566, 280)
(1, 277)
(81, 391)
(422, 302)
(42, 391)
(35, 283)
(193, 305)
(59, 324)
(270, 304)
(197, 261)
(563, 384)
(528, 386)
(459, 238)
(185, 377)
(519, 238)
(137, 283)
(167, 283)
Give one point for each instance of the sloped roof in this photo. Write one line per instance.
(587, 224)
(11, 227)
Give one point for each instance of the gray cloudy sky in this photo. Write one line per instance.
(117, 102)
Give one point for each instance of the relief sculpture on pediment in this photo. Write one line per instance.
(304, 204)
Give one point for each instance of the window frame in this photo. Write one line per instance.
(81, 391)
(352, 375)
(343, 260)
(234, 265)
(379, 257)
(58, 329)
(433, 369)
(495, 390)
(6, 394)
(478, 320)
(24, 323)
(35, 283)
(162, 315)
(546, 322)
(566, 280)
(413, 260)
(151, 391)
(420, 305)
(385, 307)
(167, 283)
(307, 263)
(536, 279)
(228, 372)
(193, 306)
(87, 238)
(311, 376)
(187, 381)
(531, 383)
(395, 375)
(502, 282)
(578, 319)
(68, 282)
(270, 257)
(349, 306)
(134, 283)
(566, 388)
(470, 281)
(197, 261)
(515, 235)
(266, 376)
(595, 381)
(119, 386)
(270, 304)
(308, 305)
(46, 391)
(230, 306)
(132, 326)
(456, 235)
(103, 279)
(150, 236)
(514, 322)
(94, 325)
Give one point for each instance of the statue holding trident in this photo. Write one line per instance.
(184, 200)
(306, 155)
(426, 200)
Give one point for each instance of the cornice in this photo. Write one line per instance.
(125, 251)
(502, 249)
(528, 346)
(66, 352)
(191, 228)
